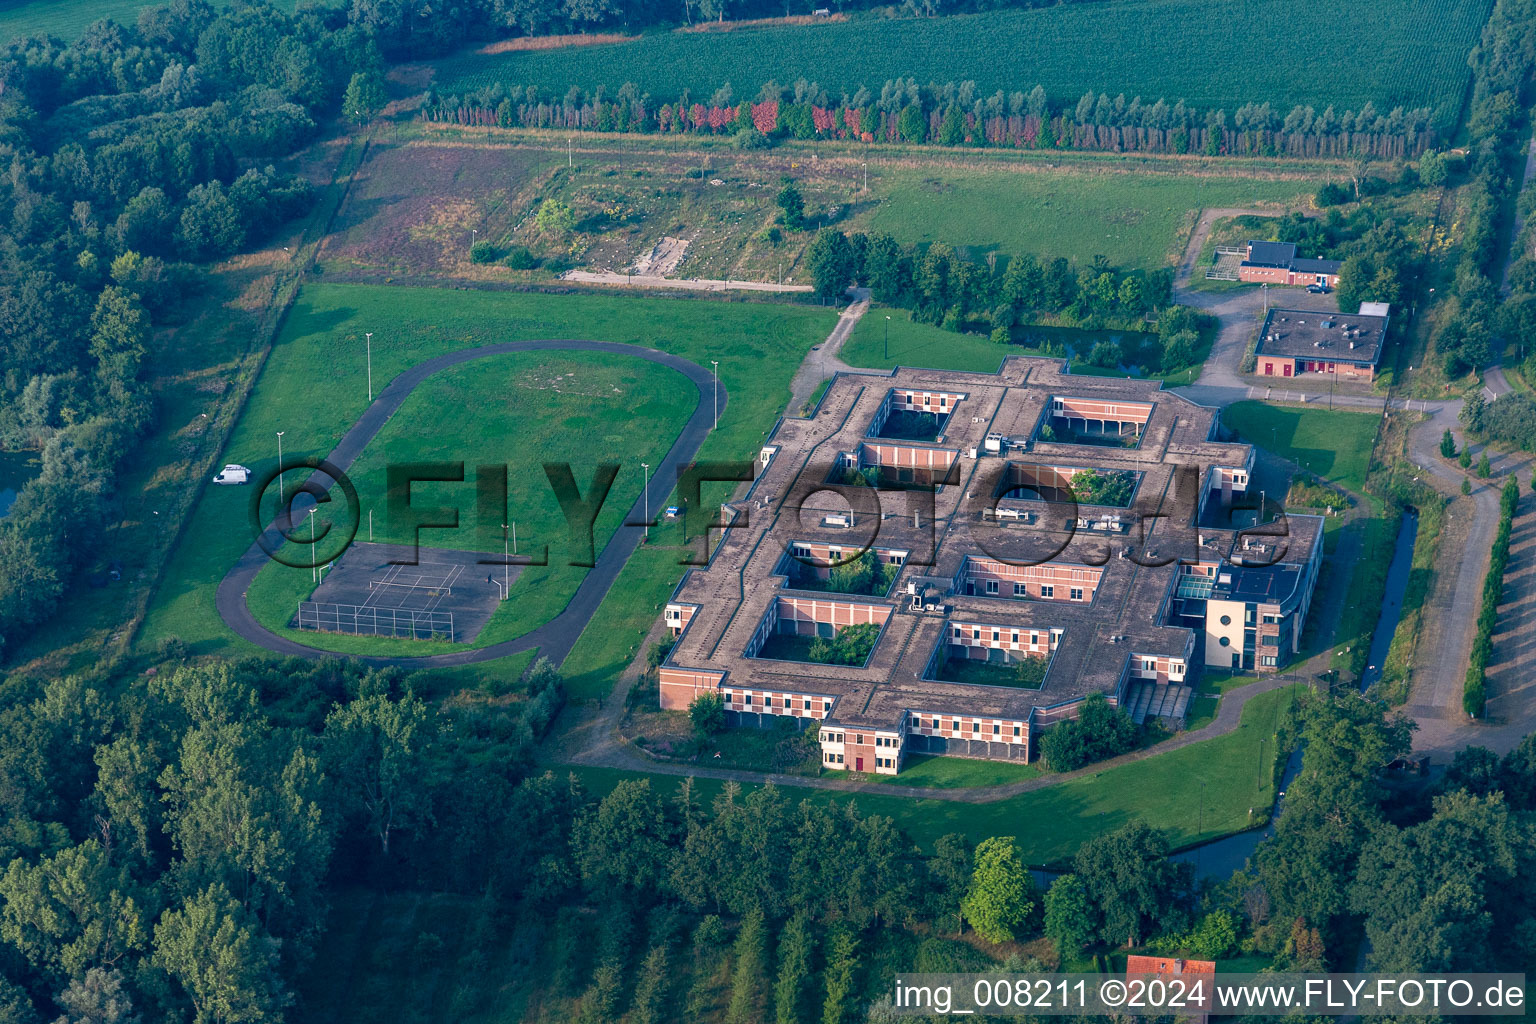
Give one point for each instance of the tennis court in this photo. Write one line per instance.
(372, 590)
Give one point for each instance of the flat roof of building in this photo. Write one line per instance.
(1332, 337)
(1137, 559)
(1271, 254)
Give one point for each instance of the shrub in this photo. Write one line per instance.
(483, 252)
(1098, 732)
(707, 714)
(519, 258)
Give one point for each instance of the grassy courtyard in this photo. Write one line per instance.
(314, 386)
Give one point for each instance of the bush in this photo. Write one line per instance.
(483, 252)
(751, 138)
(707, 714)
(1098, 732)
(519, 258)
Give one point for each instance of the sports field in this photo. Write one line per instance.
(520, 411)
(1211, 53)
(314, 386)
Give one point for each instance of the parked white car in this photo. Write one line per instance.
(233, 474)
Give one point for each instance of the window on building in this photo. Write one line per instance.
(994, 636)
(975, 728)
(1269, 660)
(1047, 591)
(991, 586)
(1077, 593)
(1016, 730)
(1020, 590)
(996, 729)
(747, 700)
(1224, 641)
(1015, 636)
(1226, 620)
(1149, 664)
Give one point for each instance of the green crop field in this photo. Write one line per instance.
(314, 386)
(1211, 53)
(67, 18)
(1133, 220)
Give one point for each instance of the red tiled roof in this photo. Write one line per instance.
(1167, 965)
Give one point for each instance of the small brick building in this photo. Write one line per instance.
(1277, 263)
(1300, 342)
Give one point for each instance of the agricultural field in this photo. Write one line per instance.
(1224, 53)
(314, 386)
(67, 18)
(417, 204)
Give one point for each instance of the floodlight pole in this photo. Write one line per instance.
(646, 492)
(368, 337)
(279, 469)
(716, 363)
(865, 166)
(505, 562)
(311, 518)
(887, 337)
(472, 233)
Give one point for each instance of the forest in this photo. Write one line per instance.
(134, 154)
(173, 839)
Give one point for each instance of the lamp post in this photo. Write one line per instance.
(279, 469)
(645, 490)
(368, 340)
(472, 233)
(865, 166)
(716, 364)
(887, 337)
(505, 562)
(311, 518)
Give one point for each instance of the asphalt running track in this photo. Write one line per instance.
(556, 637)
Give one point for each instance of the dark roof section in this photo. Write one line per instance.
(1283, 255)
(1334, 337)
(1271, 254)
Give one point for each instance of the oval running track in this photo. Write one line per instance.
(556, 637)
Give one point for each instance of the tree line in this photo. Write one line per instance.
(1473, 321)
(952, 114)
(134, 154)
(1002, 295)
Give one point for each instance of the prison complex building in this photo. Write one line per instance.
(1000, 596)
(1277, 263)
(1300, 342)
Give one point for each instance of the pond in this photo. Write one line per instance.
(1077, 341)
(16, 469)
(1391, 601)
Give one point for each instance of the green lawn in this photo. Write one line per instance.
(314, 386)
(926, 770)
(1211, 53)
(1050, 824)
(1136, 221)
(1335, 446)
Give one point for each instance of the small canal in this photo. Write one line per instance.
(16, 469)
(1392, 601)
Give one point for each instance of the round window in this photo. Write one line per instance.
(1225, 641)
(1226, 620)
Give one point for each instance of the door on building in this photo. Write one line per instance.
(1286, 369)
(858, 764)
(1269, 369)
